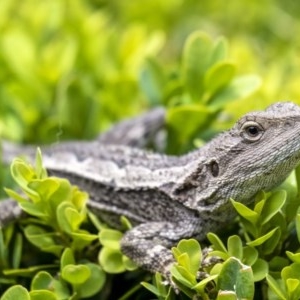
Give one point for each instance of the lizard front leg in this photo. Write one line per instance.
(149, 244)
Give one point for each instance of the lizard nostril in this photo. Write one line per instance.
(214, 168)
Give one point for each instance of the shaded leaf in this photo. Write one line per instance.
(16, 292)
(236, 277)
(237, 89)
(245, 212)
(272, 205)
(273, 284)
(218, 76)
(260, 269)
(263, 239)
(197, 55)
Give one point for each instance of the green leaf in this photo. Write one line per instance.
(272, 205)
(111, 260)
(199, 287)
(44, 281)
(227, 295)
(259, 241)
(250, 255)
(218, 76)
(110, 238)
(125, 223)
(69, 219)
(12, 194)
(260, 269)
(183, 276)
(22, 174)
(158, 287)
(16, 292)
(235, 247)
(17, 251)
(128, 263)
(192, 248)
(35, 209)
(44, 187)
(16, 37)
(94, 283)
(184, 261)
(245, 212)
(297, 222)
(67, 258)
(292, 284)
(78, 199)
(41, 281)
(291, 271)
(82, 239)
(295, 257)
(238, 88)
(42, 295)
(217, 244)
(76, 274)
(277, 263)
(220, 51)
(192, 116)
(83, 236)
(42, 239)
(40, 170)
(150, 287)
(152, 80)
(96, 221)
(273, 284)
(28, 271)
(74, 218)
(259, 206)
(54, 191)
(3, 250)
(236, 277)
(270, 245)
(197, 55)
(163, 290)
(221, 254)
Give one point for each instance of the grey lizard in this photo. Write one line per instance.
(168, 198)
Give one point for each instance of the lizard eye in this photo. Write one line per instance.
(251, 131)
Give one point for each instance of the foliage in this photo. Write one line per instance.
(262, 253)
(98, 61)
(205, 86)
(69, 69)
(60, 211)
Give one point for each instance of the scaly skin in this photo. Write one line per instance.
(169, 198)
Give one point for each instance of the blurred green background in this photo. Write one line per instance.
(70, 68)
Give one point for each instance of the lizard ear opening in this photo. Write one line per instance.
(214, 168)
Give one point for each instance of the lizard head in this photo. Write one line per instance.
(258, 153)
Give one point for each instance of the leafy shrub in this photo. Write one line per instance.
(70, 70)
(260, 254)
(60, 210)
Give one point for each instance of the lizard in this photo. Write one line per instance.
(168, 198)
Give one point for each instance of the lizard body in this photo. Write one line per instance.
(167, 197)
